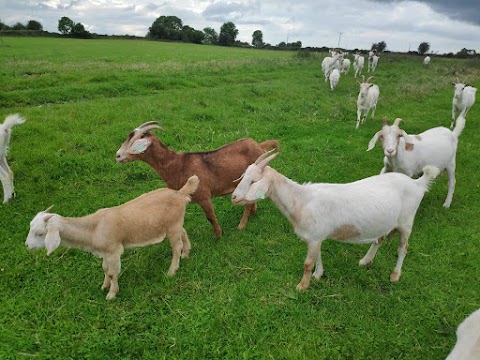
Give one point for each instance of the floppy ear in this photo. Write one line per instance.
(52, 239)
(139, 146)
(373, 141)
(408, 141)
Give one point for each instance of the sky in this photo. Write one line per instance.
(447, 25)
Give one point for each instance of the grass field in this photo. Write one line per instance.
(234, 298)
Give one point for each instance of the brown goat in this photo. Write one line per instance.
(217, 169)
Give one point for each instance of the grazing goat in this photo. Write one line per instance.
(408, 154)
(372, 63)
(359, 212)
(367, 99)
(358, 64)
(6, 174)
(146, 220)
(334, 78)
(217, 169)
(468, 339)
(463, 99)
(427, 60)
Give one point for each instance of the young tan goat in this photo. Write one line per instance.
(216, 169)
(146, 220)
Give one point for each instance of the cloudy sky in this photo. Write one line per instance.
(448, 25)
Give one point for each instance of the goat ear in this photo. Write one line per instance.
(408, 141)
(373, 141)
(52, 239)
(139, 146)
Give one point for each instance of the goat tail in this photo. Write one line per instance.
(459, 124)
(268, 145)
(190, 186)
(430, 172)
(12, 120)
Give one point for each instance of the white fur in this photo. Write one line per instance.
(328, 64)
(145, 220)
(366, 209)
(468, 339)
(345, 66)
(463, 99)
(427, 60)
(358, 63)
(6, 174)
(372, 63)
(408, 154)
(367, 100)
(334, 78)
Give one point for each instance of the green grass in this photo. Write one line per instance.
(234, 298)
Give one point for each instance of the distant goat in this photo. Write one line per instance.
(426, 61)
(6, 174)
(463, 99)
(146, 220)
(408, 154)
(367, 99)
(359, 213)
(372, 63)
(345, 66)
(329, 63)
(217, 169)
(358, 64)
(468, 339)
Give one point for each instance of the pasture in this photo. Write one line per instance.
(235, 297)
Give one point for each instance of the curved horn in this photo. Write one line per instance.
(151, 127)
(371, 77)
(397, 121)
(48, 209)
(264, 156)
(363, 78)
(147, 123)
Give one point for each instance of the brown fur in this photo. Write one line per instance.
(409, 147)
(344, 232)
(418, 137)
(217, 169)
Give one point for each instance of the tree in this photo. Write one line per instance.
(65, 25)
(189, 34)
(423, 48)
(166, 27)
(257, 38)
(19, 26)
(211, 36)
(379, 47)
(34, 25)
(228, 34)
(79, 31)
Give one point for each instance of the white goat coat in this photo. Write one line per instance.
(468, 339)
(334, 78)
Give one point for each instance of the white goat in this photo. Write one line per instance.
(408, 154)
(359, 212)
(345, 66)
(367, 99)
(145, 220)
(463, 99)
(6, 174)
(358, 64)
(427, 60)
(372, 63)
(334, 79)
(468, 339)
(328, 64)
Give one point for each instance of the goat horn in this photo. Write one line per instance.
(363, 78)
(49, 208)
(371, 77)
(384, 121)
(397, 121)
(150, 127)
(264, 156)
(147, 123)
(240, 178)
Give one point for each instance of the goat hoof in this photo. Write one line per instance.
(394, 277)
(111, 296)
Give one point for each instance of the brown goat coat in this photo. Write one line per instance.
(217, 169)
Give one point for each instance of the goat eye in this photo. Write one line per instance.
(399, 136)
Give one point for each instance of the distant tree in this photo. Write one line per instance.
(166, 27)
(211, 36)
(65, 25)
(379, 47)
(282, 45)
(423, 48)
(19, 26)
(257, 38)
(4, 26)
(228, 34)
(189, 34)
(34, 25)
(79, 31)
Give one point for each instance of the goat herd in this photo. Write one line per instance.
(365, 211)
